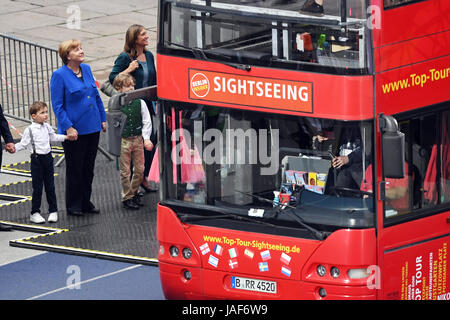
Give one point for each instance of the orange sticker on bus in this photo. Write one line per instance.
(250, 91)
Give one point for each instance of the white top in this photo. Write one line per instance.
(146, 121)
(42, 135)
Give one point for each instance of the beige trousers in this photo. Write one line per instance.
(132, 149)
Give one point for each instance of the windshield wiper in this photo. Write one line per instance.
(319, 235)
(191, 218)
(201, 54)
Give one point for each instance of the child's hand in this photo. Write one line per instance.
(10, 147)
(71, 137)
(148, 145)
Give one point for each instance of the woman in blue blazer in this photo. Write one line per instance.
(137, 61)
(80, 114)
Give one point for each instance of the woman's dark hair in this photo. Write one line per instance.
(130, 40)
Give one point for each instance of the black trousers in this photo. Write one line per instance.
(80, 162)
(42, 172)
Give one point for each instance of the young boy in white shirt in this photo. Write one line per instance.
(36, 139)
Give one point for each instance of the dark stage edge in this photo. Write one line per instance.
(114, 234)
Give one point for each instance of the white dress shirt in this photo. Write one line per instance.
(146, 121)
(42, 135)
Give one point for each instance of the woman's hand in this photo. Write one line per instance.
(133, 66)
(104, 126)
(72, 133)
(10, 147)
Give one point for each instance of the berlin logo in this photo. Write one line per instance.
(200, 85)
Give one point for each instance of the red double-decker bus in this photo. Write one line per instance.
(304, 156)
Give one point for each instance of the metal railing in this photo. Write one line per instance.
(25, 69)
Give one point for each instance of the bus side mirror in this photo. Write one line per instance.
(393, 145)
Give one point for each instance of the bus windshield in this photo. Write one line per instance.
(268, 33)
(273, 168)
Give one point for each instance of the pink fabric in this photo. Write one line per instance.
(153, 175)
(429, 184)
(191, 163)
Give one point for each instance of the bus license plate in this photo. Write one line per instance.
(253, 285)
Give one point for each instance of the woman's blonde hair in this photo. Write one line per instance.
(130, 40)
(65, 47)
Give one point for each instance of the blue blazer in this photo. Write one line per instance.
(4, 129)
(76, 103)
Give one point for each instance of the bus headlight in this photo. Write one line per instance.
(322, 292)
(174, 251)
(187, 253)
(358, 273)
(321, 270)
(335, 272)
(187, 275)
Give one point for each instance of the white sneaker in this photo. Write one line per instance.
(53, 217)
(37, 218)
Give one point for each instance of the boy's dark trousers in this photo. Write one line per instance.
(42, 172)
